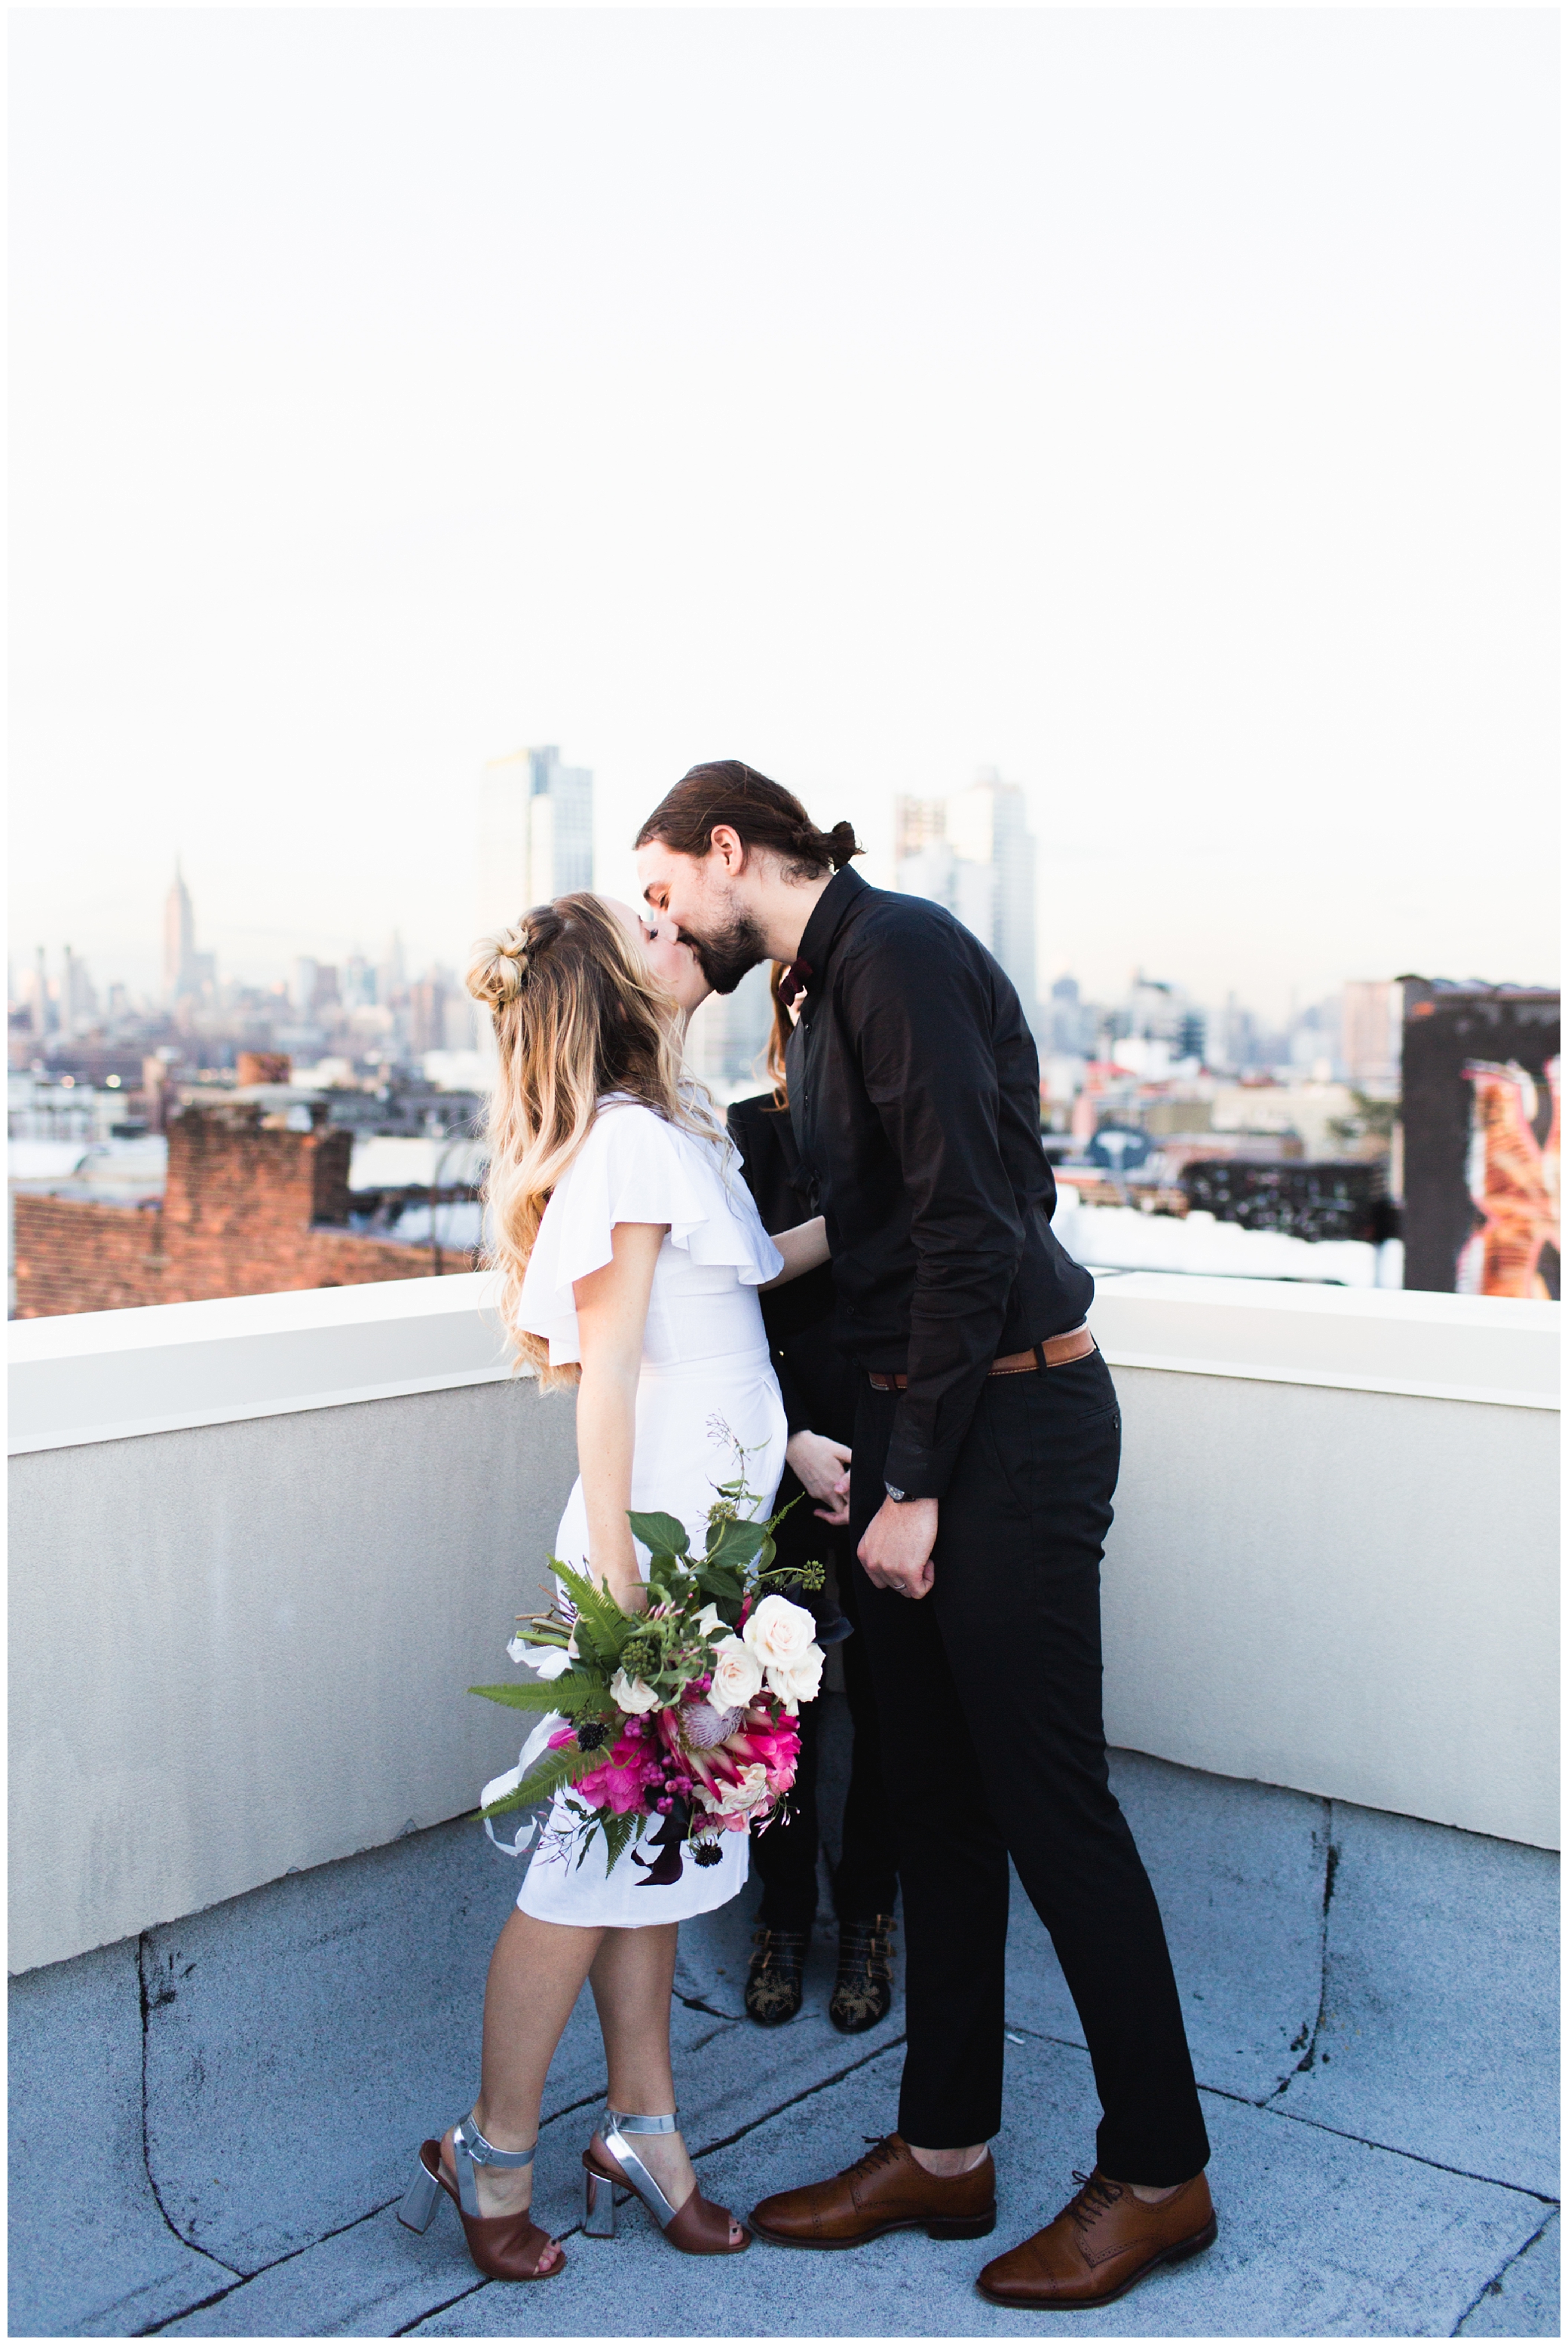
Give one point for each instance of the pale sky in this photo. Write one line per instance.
(1161, 407)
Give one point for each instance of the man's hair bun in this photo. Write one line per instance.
(843, 843)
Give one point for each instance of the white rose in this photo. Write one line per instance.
(631, 1695)
(737, 1675)
(798, 1684)
(778, 1633)
(546, 1662)
(709, 1623)
(752, 1786)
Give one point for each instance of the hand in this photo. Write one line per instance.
(632, 1595)
(896, 1549)
(822, 1467)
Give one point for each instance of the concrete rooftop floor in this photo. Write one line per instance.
(210, 2126)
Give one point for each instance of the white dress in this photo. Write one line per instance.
(705, 1378)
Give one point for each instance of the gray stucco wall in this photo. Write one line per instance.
(243, 1649)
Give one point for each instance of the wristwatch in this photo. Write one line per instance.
(898, 1496)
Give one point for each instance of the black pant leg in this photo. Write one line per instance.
(784, 1855)
(866, 1880)
(952, 1860)
(1017, 1595)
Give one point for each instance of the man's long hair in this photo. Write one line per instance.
(762, 813)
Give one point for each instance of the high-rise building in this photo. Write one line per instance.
(535, 834)
(974, 853)
(727, 1038)
(1370, 1031)
(38, 996)
(179, 941)
(427, 1014)
(78, 999)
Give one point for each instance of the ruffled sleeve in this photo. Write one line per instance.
(635, 1167)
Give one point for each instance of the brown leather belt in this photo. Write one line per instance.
(1054, 1353)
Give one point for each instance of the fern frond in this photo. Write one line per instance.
(545, 1777)
(570, 1695)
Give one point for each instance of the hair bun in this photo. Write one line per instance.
(498, 965)
(843, 843)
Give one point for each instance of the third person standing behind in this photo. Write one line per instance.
(819, 1385)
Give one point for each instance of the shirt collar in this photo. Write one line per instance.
(828, 916)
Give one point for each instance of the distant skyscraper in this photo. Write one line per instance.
(729, 1034)
(179, 941)
(535, 834)
(973, 852)
(1371, 1031)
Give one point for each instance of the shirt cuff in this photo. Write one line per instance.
(919, 1472)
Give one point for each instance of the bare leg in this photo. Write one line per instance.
(536, 1975)
(633, 1976)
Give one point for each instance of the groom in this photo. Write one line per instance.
(987, 1445)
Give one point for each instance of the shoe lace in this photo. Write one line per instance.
(882, 2152)
(1095, 2198)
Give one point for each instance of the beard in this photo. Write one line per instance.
(727, 955)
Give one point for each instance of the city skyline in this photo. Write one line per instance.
(1067, 416)
(347, 1003)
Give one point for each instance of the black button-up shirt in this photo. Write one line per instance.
(914, 1094)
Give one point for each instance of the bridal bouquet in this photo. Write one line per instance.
(685, 1711)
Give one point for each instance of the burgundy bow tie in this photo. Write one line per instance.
(793, 982)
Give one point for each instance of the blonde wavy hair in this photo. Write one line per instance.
(577, 1014)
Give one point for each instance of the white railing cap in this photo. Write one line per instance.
(1439, 1346)
(110, 1375)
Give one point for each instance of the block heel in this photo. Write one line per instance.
(1195, 2245)
(503, 2246)
(962, 2227)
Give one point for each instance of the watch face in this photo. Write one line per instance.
(896, 1496)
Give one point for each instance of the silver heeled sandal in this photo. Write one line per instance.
(503, 2246)
(698, 2228)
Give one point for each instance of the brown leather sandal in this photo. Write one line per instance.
(698, 2228)
(503, 2246)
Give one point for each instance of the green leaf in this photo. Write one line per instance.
(569, 1694)
(721, 1585)
(545, 1777)
(600, 1622)
(620, 1831)
(737, 1543)
(661, 1534)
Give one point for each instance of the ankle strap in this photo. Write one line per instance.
(622, 2121)
(469, 2148)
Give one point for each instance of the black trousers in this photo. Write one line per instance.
(866, 1879)
(989, 1689)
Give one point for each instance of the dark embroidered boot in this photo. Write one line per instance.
(862, 1992)
(775, 1978)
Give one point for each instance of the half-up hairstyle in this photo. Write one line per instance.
(762, 813)
(577, 1014)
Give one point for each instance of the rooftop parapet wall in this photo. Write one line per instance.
(263, 1545)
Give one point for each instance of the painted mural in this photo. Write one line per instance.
(1515, 1184)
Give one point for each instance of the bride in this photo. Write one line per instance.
(630, 1256)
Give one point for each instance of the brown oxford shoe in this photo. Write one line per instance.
(888, 2189)
(1101, 2244)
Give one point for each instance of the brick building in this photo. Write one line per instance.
(250, 1206)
